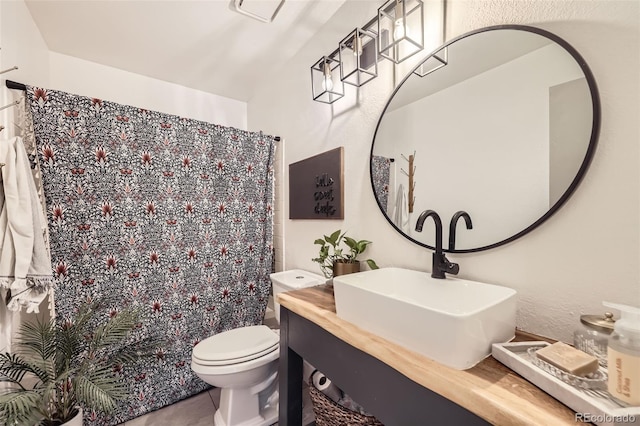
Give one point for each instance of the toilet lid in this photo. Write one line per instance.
(237, 345)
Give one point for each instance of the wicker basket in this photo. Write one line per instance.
(328, 413)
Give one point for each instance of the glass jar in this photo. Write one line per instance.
(593, 338)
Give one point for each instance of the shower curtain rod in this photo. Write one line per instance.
(19, 86)
(13, 85)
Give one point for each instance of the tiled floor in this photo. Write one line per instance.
(198, 410)
(195, 411)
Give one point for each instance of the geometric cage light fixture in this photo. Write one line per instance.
(399, 35)
(434, 62)
(326, 83)
(357, 64)
(401, 29)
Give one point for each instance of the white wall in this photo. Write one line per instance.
(586, 253)
(87, 78)
(22, 46)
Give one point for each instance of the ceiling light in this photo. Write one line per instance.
(326, 84)
(400, 29)
(400, 34)
(358, 53)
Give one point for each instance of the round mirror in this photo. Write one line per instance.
(500, 123)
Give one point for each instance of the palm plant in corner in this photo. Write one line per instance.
(61, 365)
(334, 260)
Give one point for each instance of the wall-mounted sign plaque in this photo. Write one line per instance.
(316, 187)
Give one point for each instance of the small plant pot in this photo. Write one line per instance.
(344, 268)
(76, 420)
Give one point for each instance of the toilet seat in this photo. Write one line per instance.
(236, 346)
(206, 362)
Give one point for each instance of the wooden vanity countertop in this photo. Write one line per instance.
(490, 389)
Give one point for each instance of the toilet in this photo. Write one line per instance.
(243, 362)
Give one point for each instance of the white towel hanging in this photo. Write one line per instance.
(25, 265)
(401, 210)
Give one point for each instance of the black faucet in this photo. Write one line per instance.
(440, 264)
(454, 223)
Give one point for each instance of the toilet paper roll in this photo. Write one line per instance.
(324, 385)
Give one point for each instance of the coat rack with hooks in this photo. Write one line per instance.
(411, 176)
(8, 69)
(14, 103)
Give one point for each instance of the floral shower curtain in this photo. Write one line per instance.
(167, 214)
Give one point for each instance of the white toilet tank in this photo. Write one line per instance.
(293, 279)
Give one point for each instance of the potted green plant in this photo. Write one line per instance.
(334, 259)
(68, 364)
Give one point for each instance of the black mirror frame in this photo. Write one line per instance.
(595, 131)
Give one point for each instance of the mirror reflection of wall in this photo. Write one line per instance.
(503, 132)
(569, 119)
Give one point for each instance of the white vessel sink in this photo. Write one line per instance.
(452, 321)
